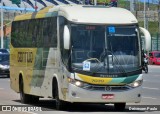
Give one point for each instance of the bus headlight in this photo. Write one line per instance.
(136, 83)
(76, 82)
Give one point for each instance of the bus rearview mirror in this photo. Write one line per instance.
(147, 38)
(66, 37)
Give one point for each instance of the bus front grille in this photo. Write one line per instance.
(106, 88)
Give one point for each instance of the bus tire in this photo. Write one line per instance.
(59, 103)
(23, 97)
(119, 106)
(34, 99)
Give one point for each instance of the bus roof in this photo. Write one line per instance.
(40, 14)
(87, 14)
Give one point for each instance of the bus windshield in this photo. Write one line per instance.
(105, 49)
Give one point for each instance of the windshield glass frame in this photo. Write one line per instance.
(105, 49)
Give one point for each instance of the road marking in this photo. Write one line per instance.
(32, 112)
(149, 98)
(151, 88)
(156, 75)
(27, 112)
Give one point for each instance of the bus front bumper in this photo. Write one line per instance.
(77, 94)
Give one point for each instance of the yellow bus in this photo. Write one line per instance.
(77, 54)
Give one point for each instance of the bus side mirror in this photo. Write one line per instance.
(147, 38)
(66, 37)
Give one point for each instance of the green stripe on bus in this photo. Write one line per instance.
(130, 79)
(51, 14)
(125, 80)
(116, 81)
(41, 58)
(40, 66)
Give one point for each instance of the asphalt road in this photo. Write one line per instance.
(150, 96)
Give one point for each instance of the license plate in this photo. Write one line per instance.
(107, 96)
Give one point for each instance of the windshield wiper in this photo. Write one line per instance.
(115, 60)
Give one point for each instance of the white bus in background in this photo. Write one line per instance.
(78, 54)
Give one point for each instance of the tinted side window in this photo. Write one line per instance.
(35, 33)
(50, 32)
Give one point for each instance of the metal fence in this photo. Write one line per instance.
(155, 42)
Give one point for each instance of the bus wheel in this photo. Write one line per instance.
(35, 99)
(24, 97)
(59, 103)
(8, 76)
(119, 106)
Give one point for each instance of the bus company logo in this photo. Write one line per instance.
(25, 57)
(109, 76)
(6, 108)
(20, 108)
(97, 81)
(108, 88)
